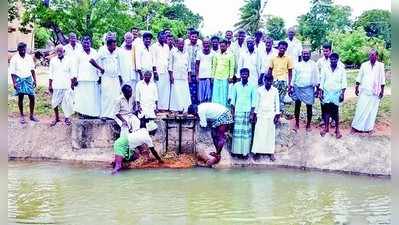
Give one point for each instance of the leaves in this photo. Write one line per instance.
(275, 27)
(251, 16)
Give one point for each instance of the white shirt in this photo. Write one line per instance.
(144, 59)
(21, 67)
(125, 60)
(261, 46)
(323, 62)
(73, 52)
(333, 81)
(211, 111)
(237, 50)
(305, 74)
(268, 103)
(265, 59)
(85, 70)
(371, 77)
(160, 55)
(294, 49)
(205, 66)
(109, 62)
(60, 72)
(179, 64)
(188, 41)
(250, 61)
(147, 95)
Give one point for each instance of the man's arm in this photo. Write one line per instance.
(95, 64)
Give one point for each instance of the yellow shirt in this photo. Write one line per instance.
(280, 67)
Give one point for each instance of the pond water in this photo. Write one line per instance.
(62, 193)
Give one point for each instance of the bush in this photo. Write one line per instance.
(42, 37)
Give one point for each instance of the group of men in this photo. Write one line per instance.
(248, 77)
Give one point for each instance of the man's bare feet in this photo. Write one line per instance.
(22, 120)
(308, 128)
(34, 119)
(338, 135)
(323, 132)
(67, 121)
(296, 127)
(54, 122)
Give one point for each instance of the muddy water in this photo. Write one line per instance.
(60, 193)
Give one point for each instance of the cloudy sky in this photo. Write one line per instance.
(223, 14)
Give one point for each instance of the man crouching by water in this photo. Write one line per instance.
(219, 118)
(137, 137)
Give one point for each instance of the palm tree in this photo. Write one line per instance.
(251, 16)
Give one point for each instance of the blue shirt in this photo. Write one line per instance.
(243, 97)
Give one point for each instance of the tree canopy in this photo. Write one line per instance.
(275, 27)
(251, 16)
(96, 17)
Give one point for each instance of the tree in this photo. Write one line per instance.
(12, 10)
(96, 17)
(275, 27)
(322, 18)
(376, 23)
(251, 16)
(353, 46)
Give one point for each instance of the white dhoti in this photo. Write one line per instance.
(264, 136)
(138, 138)
(131, 120)
(163, 85)
(181, 99)
(366, 112)
(87, 98)
(63, 97)
(110, 91)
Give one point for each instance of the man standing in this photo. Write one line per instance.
(170, 41)
(370, 84)
(144, 58)
(305, 82)
(204, 71)
(229, 37)
(333, 85)
(147, 96)
(111, 79)
(243, 100)
(281, 68)
(127, 64)
(73, 47)
(215, 44)
(180, 74)
(294, 48)
(265, 58)
(259, 44)
(160, 57)
(193, 49)
(238, 48)
(250, 59)
(60, 75)
(267, 117)
(85, 84)
(222, 70)
(22, 71)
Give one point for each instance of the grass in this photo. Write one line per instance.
(42, 103)
(347, 111)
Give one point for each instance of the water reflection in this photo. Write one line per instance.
(53, 193)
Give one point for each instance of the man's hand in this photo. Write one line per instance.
(120, 80)
(156, 77)
(381, 94)
(50, 89)
(124, 123)
(341, 97)
(171, 78)
(276, 119)
(321, 95)
(290, 90)
(357, 90)
(99, 80)
(34, 84)
(252, 117)
(156, 111)
(102, 71)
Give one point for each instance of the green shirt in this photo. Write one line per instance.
(243, 97)
(223, 66)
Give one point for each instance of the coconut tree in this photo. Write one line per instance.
(251, 15)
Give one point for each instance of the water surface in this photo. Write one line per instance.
(60, 193)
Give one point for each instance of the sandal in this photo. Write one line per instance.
(67, 122)
(22, 120)
(32, 118)
(52, 124)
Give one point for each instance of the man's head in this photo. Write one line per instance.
(334, 57)
(167, 31)
(241, 36)
(268, 81)
(21, 49)
(250, 44)
(59, 49)
(373, 55)
(147, 36)
(127, 91)
(206, 44)
(189, 31)
(194, 37)
(269, 43)
(180, 44)
(244, 74)
(258, 36)
(306, 54)
(72, 39)
(223, 45)
(169, 39)
(86, 43)
(193, 109)
(111, 41)
(161, 37)
(229, 35)
(282, 47)
(326, 50)
(128, 39)
(215, 42)
(291, 33)
(147, 76)
(135, 31)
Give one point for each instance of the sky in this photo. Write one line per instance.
(223, 14)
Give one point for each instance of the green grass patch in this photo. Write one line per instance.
(42, 103)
